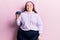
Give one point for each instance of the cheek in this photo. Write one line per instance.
(27, 7)
(31, 7)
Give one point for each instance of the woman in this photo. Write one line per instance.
(31, 27)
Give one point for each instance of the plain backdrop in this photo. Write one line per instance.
(48, 9)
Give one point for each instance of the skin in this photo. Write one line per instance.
(29, 7)
(17, 16)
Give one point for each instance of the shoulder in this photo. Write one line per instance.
(37, 14)
(23, 13)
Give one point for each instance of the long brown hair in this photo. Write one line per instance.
(25, 9)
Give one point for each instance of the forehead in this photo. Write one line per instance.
(29, 3)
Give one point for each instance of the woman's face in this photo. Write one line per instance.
(29, 6)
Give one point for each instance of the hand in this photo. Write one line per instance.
(40, 37)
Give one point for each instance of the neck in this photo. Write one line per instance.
(30, 11)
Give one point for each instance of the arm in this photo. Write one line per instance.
(17, 16)
(40, 26)
(19, 20)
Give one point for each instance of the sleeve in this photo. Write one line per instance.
(19, 20)
(40, 24)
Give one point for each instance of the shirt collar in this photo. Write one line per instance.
(29, 12)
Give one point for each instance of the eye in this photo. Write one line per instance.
(30, 5)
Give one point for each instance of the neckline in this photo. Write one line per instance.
(30, 12)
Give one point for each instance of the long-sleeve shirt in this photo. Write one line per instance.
(30, 21)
